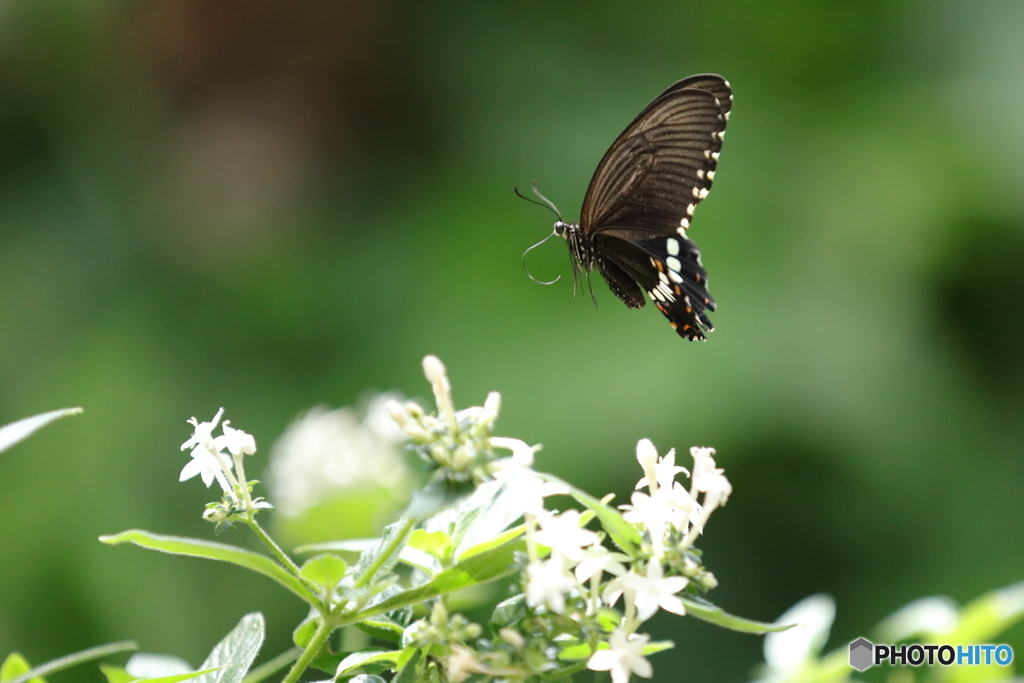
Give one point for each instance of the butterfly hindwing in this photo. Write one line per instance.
(669, 270)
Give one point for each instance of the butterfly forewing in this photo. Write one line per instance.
(713, 83)
(660, 167)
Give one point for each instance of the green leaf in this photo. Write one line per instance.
(370, 555)
(176, 545)
(303, 633)
(713, 614)
(382, 628)
(16, 665)
(656, 646)
(359, 660)
(71, 660)
(368, 678)
(324, 570)
(407, 673)
(435, 543)
(181, 677)
(114, 674)
(984, 618)
(498, 540)
(508, 612)
(579, 650)
(487, 566)
(438, 494)
(22, 429)
(272, 666)
(619, 530)
(328, 663)
(608, 619)
(233, 655)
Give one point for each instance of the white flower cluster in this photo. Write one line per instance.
(326, 453)
(220, 458)
(669, 517)
(458, 443)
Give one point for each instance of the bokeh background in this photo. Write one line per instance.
(270, 205)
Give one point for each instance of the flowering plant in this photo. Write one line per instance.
(585, 579)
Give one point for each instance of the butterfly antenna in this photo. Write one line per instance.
(540, 282)
(547, 201)
(547, 205)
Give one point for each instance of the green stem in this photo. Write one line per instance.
(394, 543)
(73, 659)
(243, 483)
(323, 631)
(269, 542)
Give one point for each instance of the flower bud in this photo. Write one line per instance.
(646, 454)
(435, 371)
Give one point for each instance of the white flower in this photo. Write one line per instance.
(648, 592)
(327, 453)
(597, 559)
(931, 616)
(787, 651)
(623, 657)
(522, 454)
(562, 533)
(656, 513)
(204, 462)
(685, 506)
(207, 460)
(665, 471)
(235, 441)
(528, 490)
(708, 478)
(461, 664)
(202, 435)
(548, 582)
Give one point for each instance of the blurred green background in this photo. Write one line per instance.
(271, 205)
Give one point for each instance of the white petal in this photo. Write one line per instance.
(190, 470)
(788, 650)
(640, 666)
(602, 660)
(673, 604)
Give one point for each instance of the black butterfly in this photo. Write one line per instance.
(641, 200)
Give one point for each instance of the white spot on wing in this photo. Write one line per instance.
(684, 224)
(675, 276)
(690, 208)
(715, 155)
(696, 191)
(703, 192)
(700, 174)
(662, 276)
(672, 245)
(711, 175)
(673, 263)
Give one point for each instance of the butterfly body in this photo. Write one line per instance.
(640, 203)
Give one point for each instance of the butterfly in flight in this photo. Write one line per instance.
(640, 202)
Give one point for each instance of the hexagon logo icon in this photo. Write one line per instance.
(861, 654)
